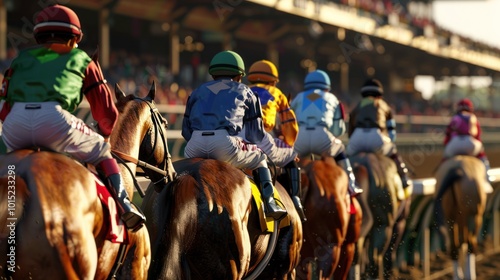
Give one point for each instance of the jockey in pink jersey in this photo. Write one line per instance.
(223, 121)
(44, 84)
(321, 120)
(463, 134)
(372, 128)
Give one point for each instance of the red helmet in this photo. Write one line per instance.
(465, 105)
(57, 19)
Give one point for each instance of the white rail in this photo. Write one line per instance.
(427, 186)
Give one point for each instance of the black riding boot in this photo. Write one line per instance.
(294, 177)
(354, 189)
(132, 218)
(402, 170)
(262, 177)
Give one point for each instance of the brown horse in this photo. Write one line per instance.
(459, 203)
(205, 225)
(327, 250)
(54, 227)
(380, 233)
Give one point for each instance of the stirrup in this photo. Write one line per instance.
(273, 210)
(133, 221)
(355, 191)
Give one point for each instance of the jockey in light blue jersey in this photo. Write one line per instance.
(321, 120)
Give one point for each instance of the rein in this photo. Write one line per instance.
(129, 158)
(157, 122)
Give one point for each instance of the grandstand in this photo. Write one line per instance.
(173, 41)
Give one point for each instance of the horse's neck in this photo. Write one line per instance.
(129, 145)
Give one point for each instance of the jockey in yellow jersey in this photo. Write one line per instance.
(263, 76)
(44, 84)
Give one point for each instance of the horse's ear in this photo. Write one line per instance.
(152, 91)
(119, 94)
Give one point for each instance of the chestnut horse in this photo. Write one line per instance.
(205, 225)
(459, 203)
(380, 232)
(328, 250)
(54, 227)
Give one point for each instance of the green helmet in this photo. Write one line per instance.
(227, 63)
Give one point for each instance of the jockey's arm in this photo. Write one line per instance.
(100, 99)
(339, 128)
(252, 121)
(289, 125)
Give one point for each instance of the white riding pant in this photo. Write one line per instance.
(370, 140)
(47, 125)
(317, 140)
(218, 144)
(463, 145)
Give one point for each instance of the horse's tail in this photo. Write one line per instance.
(178, 225)
(449, 179)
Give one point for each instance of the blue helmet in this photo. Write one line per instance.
(317, 79)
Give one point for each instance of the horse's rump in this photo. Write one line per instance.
(461, 196)
(204, 224)
(52, 233)
(326, 203)
(382, 185)
(464, 175)
(191, 232)
(377, 175)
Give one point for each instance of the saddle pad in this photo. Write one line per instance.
(266, 223)
(117, 231)
(352, 208)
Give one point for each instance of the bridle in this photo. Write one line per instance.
(157, 120)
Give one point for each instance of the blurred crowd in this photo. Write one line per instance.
(135, 74)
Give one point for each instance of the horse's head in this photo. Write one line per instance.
(141, 132)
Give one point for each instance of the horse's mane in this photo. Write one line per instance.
(120, 105)
(130, 114)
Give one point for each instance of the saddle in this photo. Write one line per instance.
(266, 223)
(117, 232)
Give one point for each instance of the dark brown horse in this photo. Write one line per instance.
(54, 227)
(205, 225)
(382, 209)
(460, 202)
(327, 250)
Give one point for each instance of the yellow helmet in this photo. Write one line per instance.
(263, 71)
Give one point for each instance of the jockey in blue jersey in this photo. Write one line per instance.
(321, 120)
(219, 114)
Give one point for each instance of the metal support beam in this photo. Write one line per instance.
(104, 35)
(344, 78)
(227, 43)
(273, 54)
(174, 49)
(3, 30)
